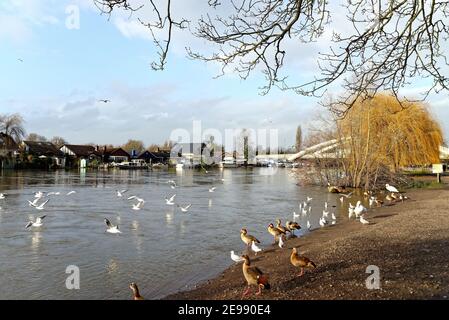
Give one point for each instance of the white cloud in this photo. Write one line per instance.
(132, 29)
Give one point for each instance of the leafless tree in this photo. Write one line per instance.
(390, 43)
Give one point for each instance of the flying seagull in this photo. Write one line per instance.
(71, 192)
(104, 100)
(120, 193)
(170, 200)
(36, 224)
(212, 189)
(42, 205)
(21, 60)
(111, 228)
(139, 205)
(186, 208)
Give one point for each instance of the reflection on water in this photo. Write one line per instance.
(153, 240)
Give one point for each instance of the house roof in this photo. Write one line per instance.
(195, 148)
(154, 155)
(116, 152)
(7, 142)
(43, 148)
(81, 150)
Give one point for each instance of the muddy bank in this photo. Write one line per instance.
(408, 241)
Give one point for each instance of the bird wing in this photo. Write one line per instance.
(108, 223)
(39, 220)
(29, 224)
(43, 204)
(172, 198)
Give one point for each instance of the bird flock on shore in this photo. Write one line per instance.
(252, 274)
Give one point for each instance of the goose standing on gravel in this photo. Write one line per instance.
(391, 188)
(36, 224)
(302, 262)
(254, 277)
(111, 228)
(247, 238)
(275, 232)
(236, 258)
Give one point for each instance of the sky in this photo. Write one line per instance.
(66, 71)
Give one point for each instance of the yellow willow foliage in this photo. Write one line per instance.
(384, 133)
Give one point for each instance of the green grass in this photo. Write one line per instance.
(425, 185)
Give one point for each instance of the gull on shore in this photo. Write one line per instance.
(35, 224)
(111, 228)
(255, 248)
(363, 220)
(236, 258)
(281, 242)
(391, 188)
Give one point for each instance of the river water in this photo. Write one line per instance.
(160, 248)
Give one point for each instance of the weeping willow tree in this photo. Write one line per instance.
(381, 135)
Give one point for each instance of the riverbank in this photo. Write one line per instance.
(409, 242)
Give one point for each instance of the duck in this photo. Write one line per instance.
(136, 293)
(254, 277)
(379, 203)
(246, 238)
(388, 198)
(280, 226)
(292, 226)
(275, 232)
(302, 262)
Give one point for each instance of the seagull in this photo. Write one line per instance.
(173, 185)
(347, 195)
(342, 199)
(34, 203)
(111, 228)
(333, 216)
(325, 205)
(308, 225)
(42, 205)
(137, 198)
(295, 215)
(372, 200)
(170, 201)
(281, 242)
(359, 209)
(309, 199)
(325, 214)
(53, 194)
(139, 205)
(351, 212)
(104, 100)
(391, 188)
(212, 189)
(363, 220)
(39, 194)
(120, 193)
(323, 222)
(38, 223)
(2, 196)
(304, 211)
(235, 257)
(21, 60)
(71, 192)
(255, 248)
(186, 208)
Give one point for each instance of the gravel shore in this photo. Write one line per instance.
(408, 241)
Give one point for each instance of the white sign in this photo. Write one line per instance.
(437, 168)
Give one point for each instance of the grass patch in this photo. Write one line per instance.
(425, 185)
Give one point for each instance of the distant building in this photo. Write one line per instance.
(76, 153)
(43, 150)
(8, 151)
(155, 157)
(116, 155)
(191, 153)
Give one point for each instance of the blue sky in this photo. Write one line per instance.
(64, 73)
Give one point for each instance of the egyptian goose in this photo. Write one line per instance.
(254, 276)
(280, 226)
(135, 289)
(301, 261)
(246, 238)
(275, 232)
